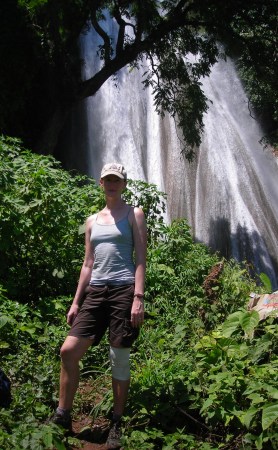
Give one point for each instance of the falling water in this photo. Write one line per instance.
(236, 179)
(228, 194)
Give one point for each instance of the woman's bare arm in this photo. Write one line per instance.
(85, 273)
(140, 246)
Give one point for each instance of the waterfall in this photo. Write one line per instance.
(236, 178)
(228, 193)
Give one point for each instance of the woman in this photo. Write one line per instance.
(112, 286)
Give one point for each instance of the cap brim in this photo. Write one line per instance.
(112, 172)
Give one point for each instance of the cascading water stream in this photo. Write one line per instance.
(236, 179)
(228, 194)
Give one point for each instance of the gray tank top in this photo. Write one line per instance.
(113, 253)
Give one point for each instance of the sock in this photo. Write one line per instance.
(63, 412)
(116, 417)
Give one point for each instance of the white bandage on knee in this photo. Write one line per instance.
(119, 360)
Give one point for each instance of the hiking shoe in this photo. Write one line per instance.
(63, 420)
(114, 436)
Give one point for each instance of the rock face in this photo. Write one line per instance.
(265, 304)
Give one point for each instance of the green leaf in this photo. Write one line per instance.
(43, 339)
(81, 229)
(259, 442)
(266, 282)
(249, 321)
(4, 320)
(4, 344)
(231, 323)
(269, 415)
(256, 398)
(249, 415)
(166, 269)
(59, 444)
(208, 402)
(47, 439)
(31, 329)
(58, 273)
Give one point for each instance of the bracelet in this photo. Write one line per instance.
(139, 295)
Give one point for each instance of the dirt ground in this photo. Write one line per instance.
(91, 433)
(91, 436)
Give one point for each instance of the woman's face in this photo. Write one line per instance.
(113, 186)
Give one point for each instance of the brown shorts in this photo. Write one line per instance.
(106, 307)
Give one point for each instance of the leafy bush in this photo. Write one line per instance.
(176, 264)
(41, 205)
(235, 379)
(204, 370)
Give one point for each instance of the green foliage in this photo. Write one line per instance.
(204, 369)
(32, 435)
(42, 206)
(29, 339)
(237, 372)
(153, 203)
(180, 263)
(266, 282)
(258, 68)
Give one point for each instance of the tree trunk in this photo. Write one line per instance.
(50, 135)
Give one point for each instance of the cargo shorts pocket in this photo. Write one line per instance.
(129, 335)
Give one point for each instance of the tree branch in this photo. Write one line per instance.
(191, 417)
(132, 51)
(121, 34)
(104, 36)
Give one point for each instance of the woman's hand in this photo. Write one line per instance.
(71, 315)
(137, 312)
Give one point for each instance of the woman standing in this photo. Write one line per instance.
(112, 285)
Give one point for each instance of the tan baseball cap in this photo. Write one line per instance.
(114, 169)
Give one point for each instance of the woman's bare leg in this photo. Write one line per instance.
(120, 393)
(71, 352)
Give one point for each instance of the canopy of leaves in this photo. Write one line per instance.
(258, 67)
(39, 47)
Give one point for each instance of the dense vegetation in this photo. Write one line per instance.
(204, 368)
(39, 47)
